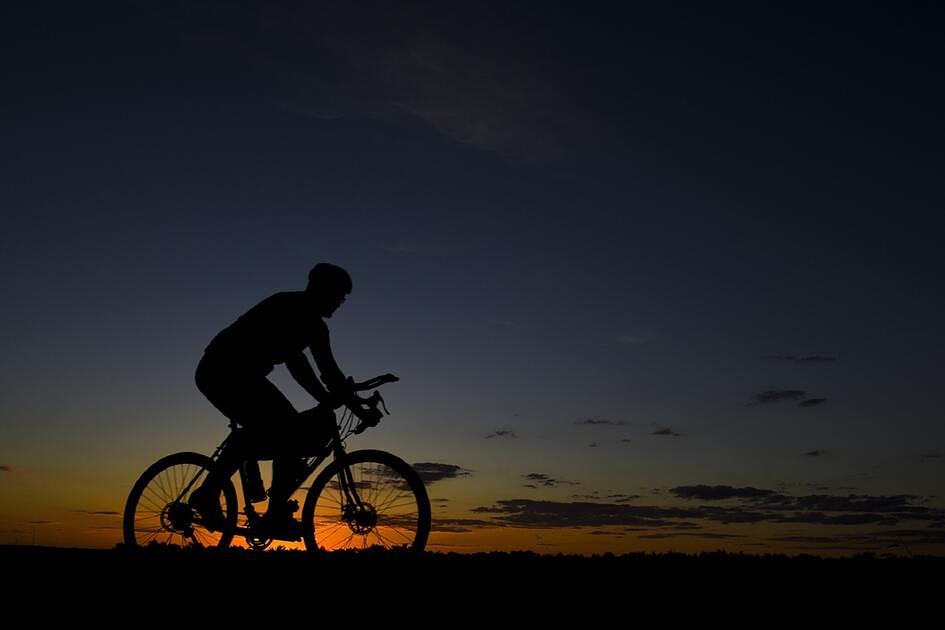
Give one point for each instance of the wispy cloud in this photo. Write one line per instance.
(771, 396)
(667, 431)
(529, 513)
(5, 468)
(461, 525)
(101, 513)
(432, 472)
(622, 498)
(706, 535)
(815, 453)
(629, 340)
(753, 505)
(719, 493)
(812, 402)
(506, 433)
(476, 84)
(548, 481)
(810, 358)
(601, 422)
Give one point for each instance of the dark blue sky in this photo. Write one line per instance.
(550, 214)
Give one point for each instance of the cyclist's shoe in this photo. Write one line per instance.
(207, 503)
(278, 522)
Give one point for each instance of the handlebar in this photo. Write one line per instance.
(372, 383)
(371, 415)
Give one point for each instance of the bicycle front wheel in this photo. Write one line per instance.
(366, 499)
(158, 511)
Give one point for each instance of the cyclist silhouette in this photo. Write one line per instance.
(233, 372)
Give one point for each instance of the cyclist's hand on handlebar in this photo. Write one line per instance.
(368, 416)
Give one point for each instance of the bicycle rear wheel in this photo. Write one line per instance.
(393, 511)
(157, 510)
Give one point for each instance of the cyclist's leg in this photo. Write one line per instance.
(259, 406)
(269, 416)
(226, 391)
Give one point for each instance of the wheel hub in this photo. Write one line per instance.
(362, 520)
(177, 517)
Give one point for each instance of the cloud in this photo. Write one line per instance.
(719, 493)
(547, 481)
(529, 513)
(810, 539)
(103, 513)
(592, 445)
(771, 396)
(460, 525)
(753, 505)
(508, 433)
(475, 84)
(813, 358)
(625, 441)
(431, 472)
(708, 535)
(812, 402)
(622, 498)
(815, 453)
(5, 468)
(630, 339)
(601, 422)
(666, 431)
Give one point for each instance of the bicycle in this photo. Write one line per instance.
(362, 499)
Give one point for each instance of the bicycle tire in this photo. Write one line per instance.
(153, 515)
(398, 515)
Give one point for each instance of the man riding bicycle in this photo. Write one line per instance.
(232, 375)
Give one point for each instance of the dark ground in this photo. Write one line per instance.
(544, 583)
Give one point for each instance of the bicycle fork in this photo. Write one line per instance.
(360, 517)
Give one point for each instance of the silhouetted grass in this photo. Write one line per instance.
(401, 576)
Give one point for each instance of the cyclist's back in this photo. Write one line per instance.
(272, 332)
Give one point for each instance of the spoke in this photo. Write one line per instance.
(405, 501)
(392, 489)
(401, 534)
(383, 540)
(159, 483)
(149, 529)
(330, 532)
(156, 507)
(328, 498)
(156, 517)
(170, 476)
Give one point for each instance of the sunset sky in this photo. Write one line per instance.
(666, 276)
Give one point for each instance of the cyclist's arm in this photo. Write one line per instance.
(331, 374)
(301, 370)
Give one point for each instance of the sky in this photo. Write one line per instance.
(654, 277)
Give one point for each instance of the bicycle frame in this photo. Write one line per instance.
(336, 449)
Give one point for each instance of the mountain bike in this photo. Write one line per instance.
(361, 499)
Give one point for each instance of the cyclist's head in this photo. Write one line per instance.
(328, 284)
